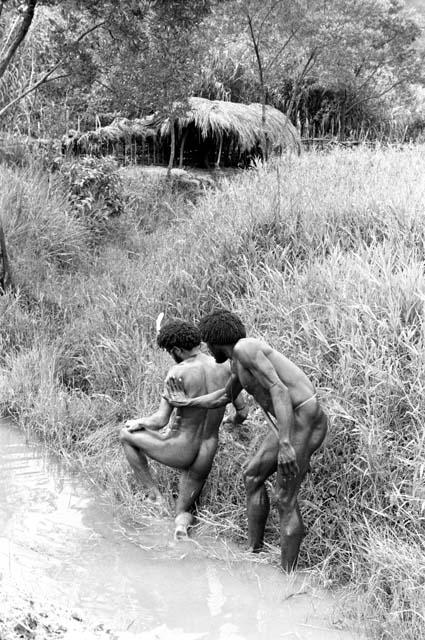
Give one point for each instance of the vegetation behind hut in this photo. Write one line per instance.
(340, 69)
(210, 134)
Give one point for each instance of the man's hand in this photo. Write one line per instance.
(134, 425)
(175, 393)
(237, 418)
(287, 459)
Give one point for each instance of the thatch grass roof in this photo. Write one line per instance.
(213, 118)
(119, 129)
(241, 121)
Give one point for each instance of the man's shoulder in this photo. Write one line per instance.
(248, 348)
(191, 368)
(192, 374)
(180, 370)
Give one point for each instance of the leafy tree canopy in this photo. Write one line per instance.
(137, 56)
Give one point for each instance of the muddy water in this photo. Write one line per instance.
(61, 541)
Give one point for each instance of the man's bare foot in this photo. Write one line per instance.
(183, 522)
(180, 533)
(253, 549)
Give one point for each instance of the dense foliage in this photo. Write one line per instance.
(94, 189)
(340, 68)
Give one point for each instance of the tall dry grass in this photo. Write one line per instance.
(323, 256)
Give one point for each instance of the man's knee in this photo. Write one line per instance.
(123, 435)
(194, 480)
(126, 437)
(286, 499)
(197, 476)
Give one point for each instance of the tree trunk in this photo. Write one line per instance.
(18, 36)
(173, 148)
(182, 148)
(342, 119)
(5, 274)
(263, 123)
(255, 43)
(217, 163)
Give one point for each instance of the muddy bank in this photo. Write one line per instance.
(24, 616)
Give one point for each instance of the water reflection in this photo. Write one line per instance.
(62, 541)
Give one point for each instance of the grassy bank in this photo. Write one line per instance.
(321, 255)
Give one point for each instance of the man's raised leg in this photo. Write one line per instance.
(143, 444)
(139, 464)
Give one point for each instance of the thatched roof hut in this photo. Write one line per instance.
(210, 132)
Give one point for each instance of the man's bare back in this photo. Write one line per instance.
(201, 374)
(191, 441)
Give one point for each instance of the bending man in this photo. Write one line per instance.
(289, 402)
(191, 442)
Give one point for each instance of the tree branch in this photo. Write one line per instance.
(30, 89)
(59, 77)
(256, 49)
(375, 97)
(105, 86)
(19, 35)
(268, 13)
(90, 30)
(48, 73)
(372, 75)
(282, 49)
(300, 78)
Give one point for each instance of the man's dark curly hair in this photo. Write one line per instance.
(177, 333)
(221, 327)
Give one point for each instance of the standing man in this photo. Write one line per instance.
(191, 442)
(291, 407)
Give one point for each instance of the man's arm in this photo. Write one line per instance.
(176, 395)
(261, 368)
(155, 421)
(241, 411)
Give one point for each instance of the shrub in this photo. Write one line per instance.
(94, 188)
